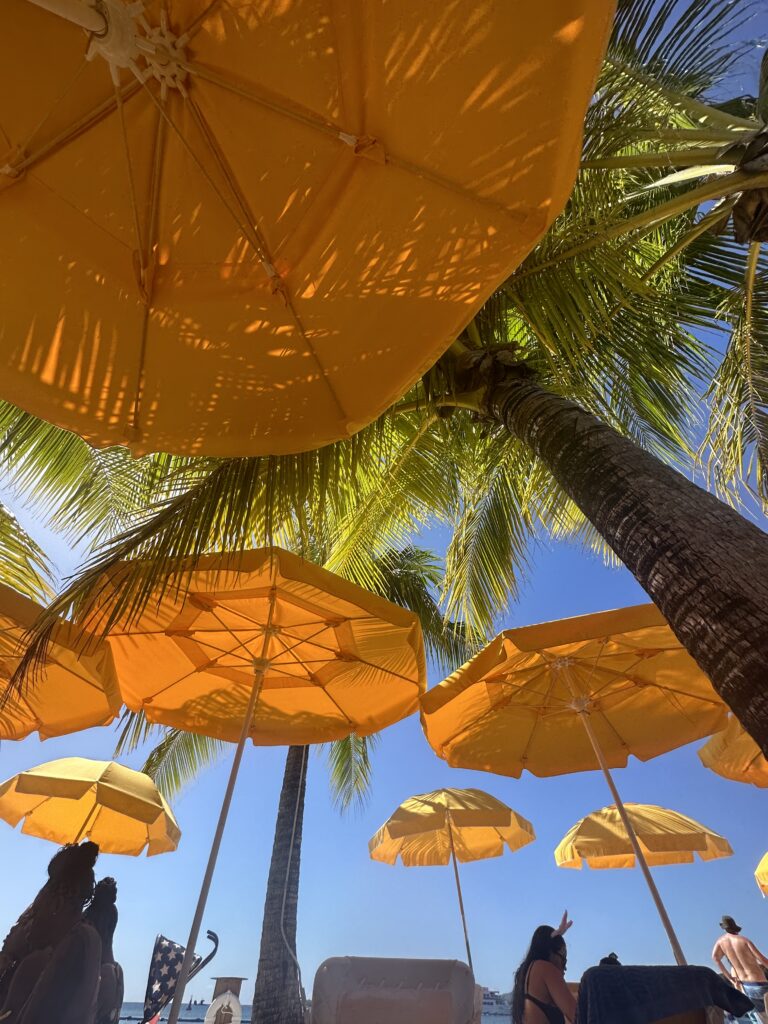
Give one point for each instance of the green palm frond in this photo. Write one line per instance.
(134, 730)
(227, 504)
(737, 441)
(84, 493)
(685, 45)
(487, 553)
(399, 496)
(179, 758)
(411, 577)
(351, 770)
(24, 566)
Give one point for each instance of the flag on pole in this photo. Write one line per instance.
(164, 970)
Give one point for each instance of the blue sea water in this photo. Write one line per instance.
(133, 1012)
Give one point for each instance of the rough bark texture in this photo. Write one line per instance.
(704, 565)
(276, 999)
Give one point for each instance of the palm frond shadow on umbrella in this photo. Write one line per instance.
(296, 180)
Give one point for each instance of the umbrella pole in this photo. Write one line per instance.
(197, 920)
(673, 939)
(458, 890)
(77, 12)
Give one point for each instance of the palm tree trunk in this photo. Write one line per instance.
(704, 565)
(276, 999)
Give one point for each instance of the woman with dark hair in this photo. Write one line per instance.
(540, 994)
(101, 914)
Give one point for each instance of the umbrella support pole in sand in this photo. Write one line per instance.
(260, 666)
(76, 11)
(673, 939)
(458, 891)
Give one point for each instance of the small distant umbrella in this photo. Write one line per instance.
(761, 875)
(573, 695)
(450, 824)
(75, 798)
(733, 754)
(74, 689)
(600, 840)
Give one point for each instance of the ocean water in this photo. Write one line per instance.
(133, 1012)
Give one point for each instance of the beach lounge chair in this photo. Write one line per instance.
(373, 990)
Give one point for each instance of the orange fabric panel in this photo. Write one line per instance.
(665, 836)
(75, 798)
(339, 659)
(264, 262)
(424, 829)
(515, 706)
(75, 689)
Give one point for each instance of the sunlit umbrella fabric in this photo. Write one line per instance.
(336, 659)
(733, 754)
(480, 827)
(515, 706)
(75, 798)
(280, 214)
(600, 839)
(74, 689)
(761, 875)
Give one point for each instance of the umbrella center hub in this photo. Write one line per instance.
(129, 41)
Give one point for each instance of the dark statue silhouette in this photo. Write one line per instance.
(56, 963)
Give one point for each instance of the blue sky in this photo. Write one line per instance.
(351, 905)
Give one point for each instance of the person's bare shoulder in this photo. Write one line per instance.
(547, 971)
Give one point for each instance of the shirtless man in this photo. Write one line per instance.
(746, 962)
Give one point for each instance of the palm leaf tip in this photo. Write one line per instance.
(349, 762)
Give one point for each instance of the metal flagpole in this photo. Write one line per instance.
(458, 890)
(260, 666)
(580, 707)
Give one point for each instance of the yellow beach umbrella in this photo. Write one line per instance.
(238, 228)
(573, 695)
(75, 798)
(761, 875)
(264, 644)
(74, 689)
(450, 824)
(733, 754)
(600, 840)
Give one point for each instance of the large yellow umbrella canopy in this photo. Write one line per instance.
(74, 689)
(267, 645)
(761, 875)
(236, 228)
(75, 798)
(333, 659)
(733, 754)
(600, 840)
(521, 702)
(450, 825)
(573, 695)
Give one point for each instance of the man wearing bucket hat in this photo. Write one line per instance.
(747, 963)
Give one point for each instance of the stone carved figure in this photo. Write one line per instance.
(102, 915)
(50, 960)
